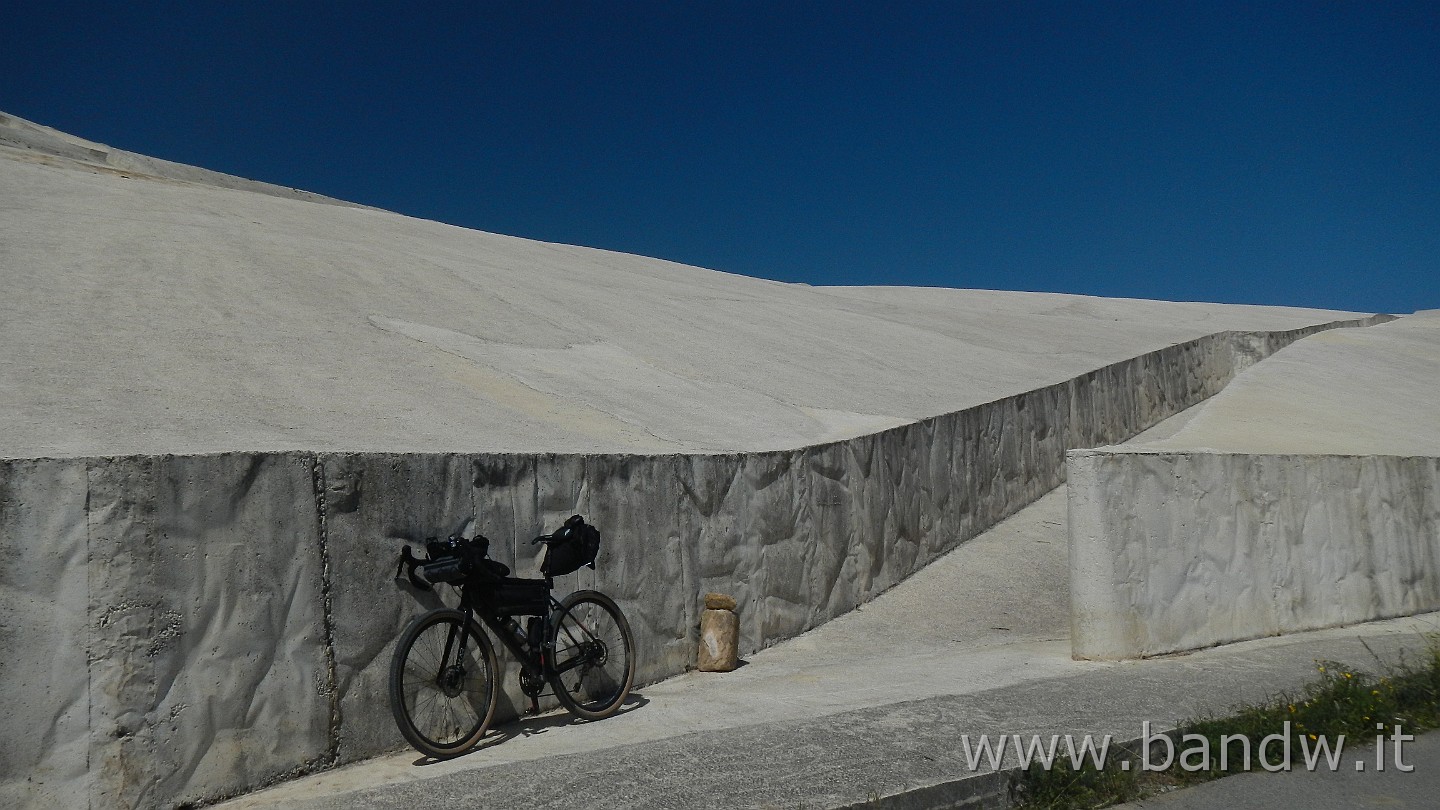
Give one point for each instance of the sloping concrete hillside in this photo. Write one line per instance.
(1350, 391)
(150, 307)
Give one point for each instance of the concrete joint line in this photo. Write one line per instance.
(331, 686)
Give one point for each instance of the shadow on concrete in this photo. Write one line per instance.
(533, 726)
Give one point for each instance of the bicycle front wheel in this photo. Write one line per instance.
(443, 699)
(592, 664)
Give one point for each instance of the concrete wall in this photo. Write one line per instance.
(1175, 551)
(163, 629)
(181, 629)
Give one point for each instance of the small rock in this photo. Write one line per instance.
(719, 601)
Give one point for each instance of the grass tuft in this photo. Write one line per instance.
(1341, 700)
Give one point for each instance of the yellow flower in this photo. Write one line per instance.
(1347, 675)
(1322, 668)
(1312, 736)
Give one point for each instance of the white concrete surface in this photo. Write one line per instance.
(166, 314)
(1304, 495)
(1355, 392)
(272, 571)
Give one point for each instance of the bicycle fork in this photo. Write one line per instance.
(451, 677)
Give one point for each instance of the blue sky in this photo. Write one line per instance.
(1236, 152)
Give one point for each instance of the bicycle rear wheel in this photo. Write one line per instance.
(443, 701)
(592, 665)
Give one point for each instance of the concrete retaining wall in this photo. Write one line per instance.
(181, 629)
(1175, 551)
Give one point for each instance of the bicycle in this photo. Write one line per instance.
(443, 686)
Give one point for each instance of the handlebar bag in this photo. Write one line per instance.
(445, 569)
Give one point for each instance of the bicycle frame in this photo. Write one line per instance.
(529, 652)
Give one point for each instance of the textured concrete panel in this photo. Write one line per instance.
(44, 733)
(372, 505)
(208, 664)
(1176, 551)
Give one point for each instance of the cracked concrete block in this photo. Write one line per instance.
(208, 671)
(44, 729)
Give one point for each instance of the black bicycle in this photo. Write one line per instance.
(443, 677)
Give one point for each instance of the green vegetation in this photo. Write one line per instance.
(1342, 700)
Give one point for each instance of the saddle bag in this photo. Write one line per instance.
(576, 544)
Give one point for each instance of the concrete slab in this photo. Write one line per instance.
(44, 629)
(182, 698)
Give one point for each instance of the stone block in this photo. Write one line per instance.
(719, 641)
